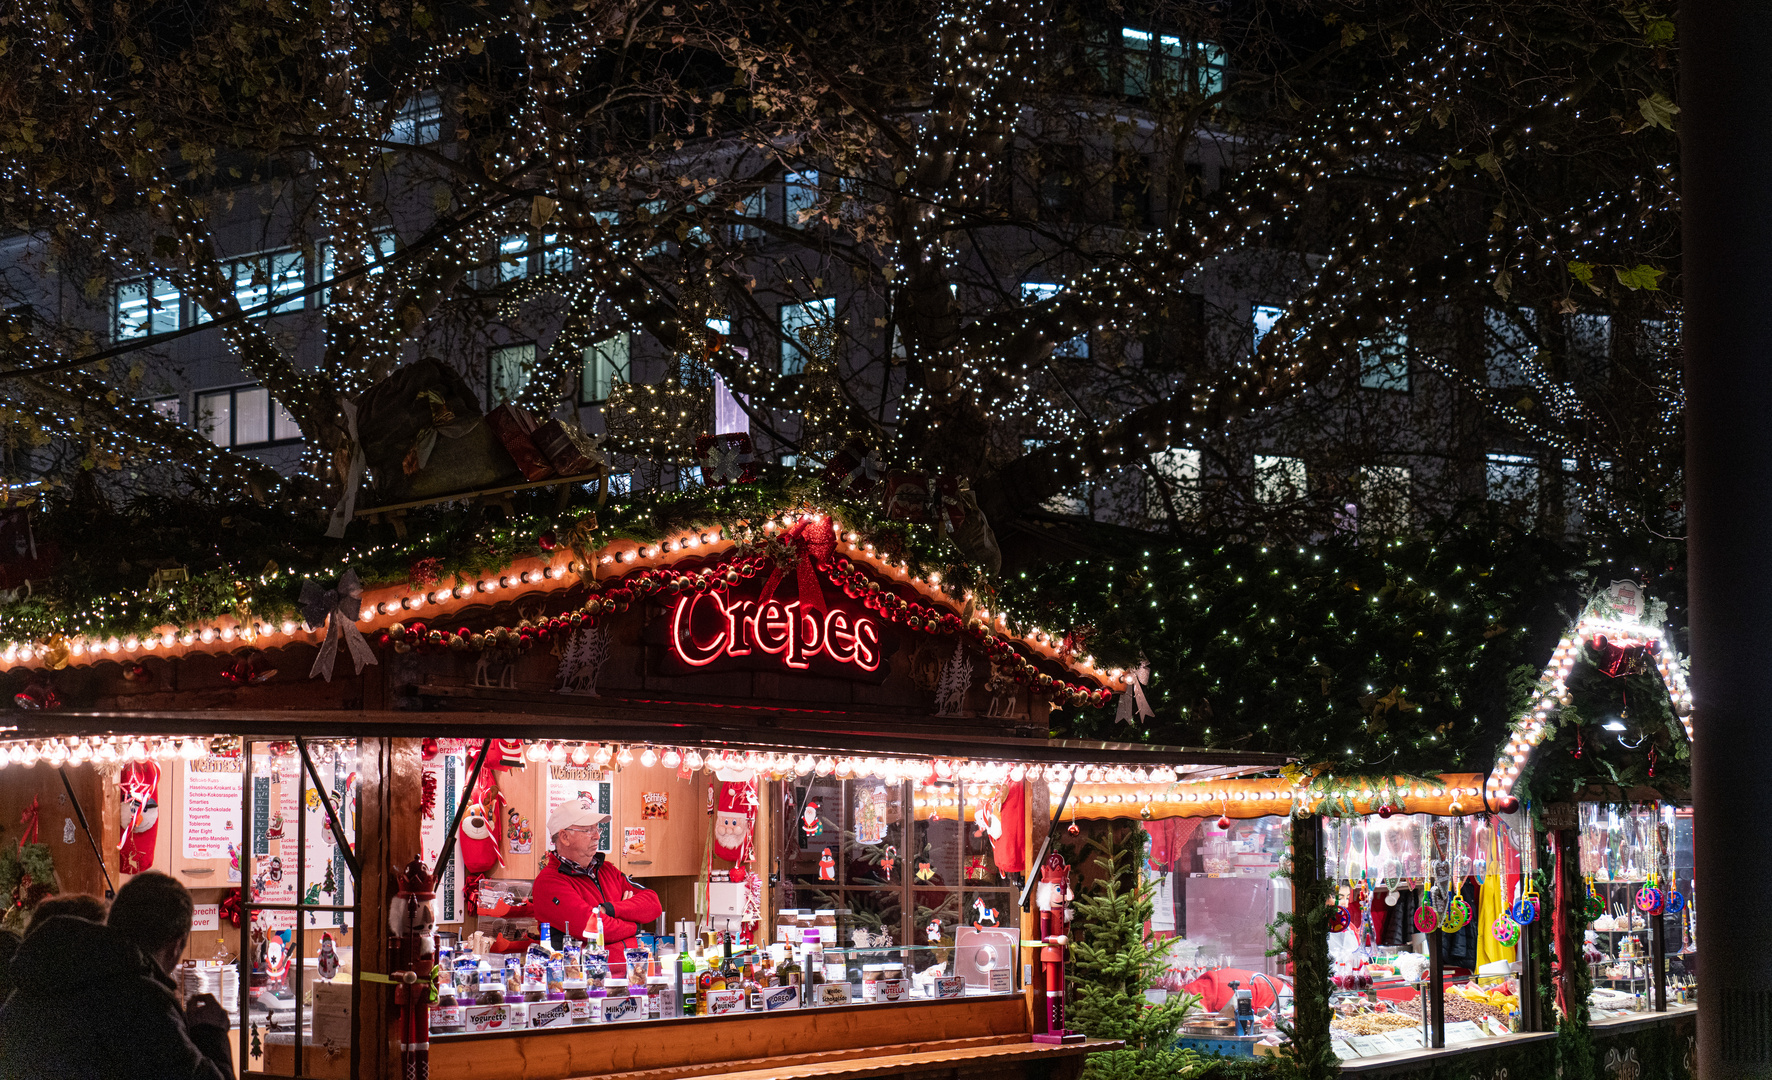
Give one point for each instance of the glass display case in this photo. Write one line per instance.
(1636, 861)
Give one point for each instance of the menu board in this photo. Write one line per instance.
(212, 811)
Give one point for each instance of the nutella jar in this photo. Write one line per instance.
(826, 922)
(447, 1016)
(578, 1001)
(787, 924)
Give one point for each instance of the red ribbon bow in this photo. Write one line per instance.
(814, 542)
(29, 820)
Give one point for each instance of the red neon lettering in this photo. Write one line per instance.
(808, 638)
(683, 640)
(738, 627)
(867, 645)
(772, 627)
(839, 637)
(784, 630)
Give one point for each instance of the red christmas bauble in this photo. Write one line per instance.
(1224, 823)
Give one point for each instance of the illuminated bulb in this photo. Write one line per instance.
(28, 756)
(581, 754)
(826, 766)
(648, 757)
(82, 753)
(846, 768)
(693, 759)
(288, 626)
(556, 754)
(1017, 772)
(602, 755)
(138, 751)
(626, 757)
(672, 758)
(805, 765)
(535, 752)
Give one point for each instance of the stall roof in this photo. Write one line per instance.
(661, 724)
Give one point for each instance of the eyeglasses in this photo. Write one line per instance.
(587, 829)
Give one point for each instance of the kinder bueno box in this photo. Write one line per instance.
(777, 998)
(725, 1002)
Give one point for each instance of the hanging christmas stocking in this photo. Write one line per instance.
(139, 787)
(735, 816)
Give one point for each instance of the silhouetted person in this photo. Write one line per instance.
(94, 1002)
(79, 905)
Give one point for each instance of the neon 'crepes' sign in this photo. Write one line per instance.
(706, 627)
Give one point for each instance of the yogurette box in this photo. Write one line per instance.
(831, 994)
(725, 1002)
(777, 998)
(618, 1009)
(893, 990)
(550, 1014)
(500, 1017)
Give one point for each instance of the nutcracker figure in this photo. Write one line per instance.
(411, 920)
(1052, 898)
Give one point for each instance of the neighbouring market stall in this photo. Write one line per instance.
(1432, 910)
(821, 761)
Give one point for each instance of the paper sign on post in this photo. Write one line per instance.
(206, 917)
(1002, 981)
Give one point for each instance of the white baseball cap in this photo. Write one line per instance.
(577, 811)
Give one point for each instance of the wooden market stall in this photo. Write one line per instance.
(843, 750)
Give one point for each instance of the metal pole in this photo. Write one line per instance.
(110, 890)
(301, 866)
(1436, 994)
(1725, 141)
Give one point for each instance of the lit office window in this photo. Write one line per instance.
(244, 416)
(144, 306)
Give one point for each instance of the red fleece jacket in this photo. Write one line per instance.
(569, 901)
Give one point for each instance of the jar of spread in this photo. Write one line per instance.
(534, 992)
(490, 992)
(578, 1001)
(787, 924)
(658, 989)
(870, 981)
(826, 922)
(447, 1016)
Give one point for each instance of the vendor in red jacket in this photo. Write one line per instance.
(576, 886)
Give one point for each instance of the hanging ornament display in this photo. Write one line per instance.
(1457, 915)
(1649, 900)
(138, 785)
(976, 870)
(888, 861)
(1427, 920)
(1525, 909)
(809, 823)
(1505, 929)
(1674, 901)
(827, 866)
(932, 932)
(327, 962)
(925, 872)
(1338, 920)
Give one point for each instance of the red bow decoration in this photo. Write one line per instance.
(230, 907)
(29, 820)
(813, 542)
(924, 499)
